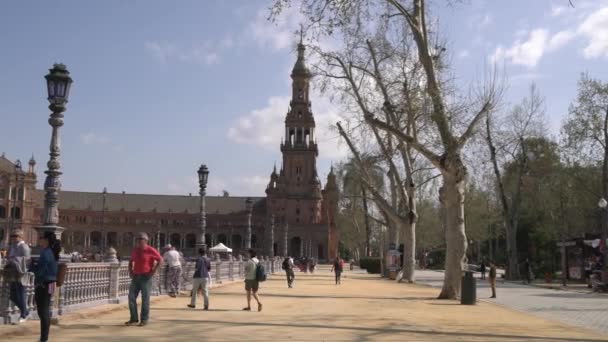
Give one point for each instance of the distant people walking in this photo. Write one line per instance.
(492, 277)
(337, 268)
(201, 279)
(252, 285)
(45, 271)
(527, 271)
(288, 266)
(144, 262)
(15, 272)
(174, 270)
(482, 269)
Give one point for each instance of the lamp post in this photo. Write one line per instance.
(249, 208)
(603, 204)
(58, 86)
(104, 194)
(203, 176)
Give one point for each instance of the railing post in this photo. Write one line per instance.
(218, 271)
(114, 283)
(230, 269)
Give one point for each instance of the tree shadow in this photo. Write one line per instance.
(387, 330)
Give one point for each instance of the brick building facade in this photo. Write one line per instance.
(301, 210)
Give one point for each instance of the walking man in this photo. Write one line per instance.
(527, 271)
(252, 284)
(174, 270)
(144, 262)
(201, 279)
(337, 268)
(16, 269)
(289, 273)
(492, 277)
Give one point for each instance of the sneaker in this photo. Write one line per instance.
(143, 323)
(131, 322)
(24, 319)
(191, 306)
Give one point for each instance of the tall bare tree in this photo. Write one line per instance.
(524, 121)
(452, 126)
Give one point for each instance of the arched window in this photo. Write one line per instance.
(222, 239)
(237, 241)
(96, 239)
(112, 239)
(78, 238)
(254, 241)
(320, 252)
(175, 240)
(163, 239)
(190, 241)
(16, 213)
(2, 212)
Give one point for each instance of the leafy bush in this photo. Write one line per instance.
(371, 264)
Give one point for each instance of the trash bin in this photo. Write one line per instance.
(468, 289)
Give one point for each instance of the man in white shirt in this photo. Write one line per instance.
(174, 270)
(251, 282)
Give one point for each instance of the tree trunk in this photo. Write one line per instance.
(368, 228)
(409, 251)
(454, 181)
(513, 266)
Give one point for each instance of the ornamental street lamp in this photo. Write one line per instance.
(603, 204)
(249, 208)
(203, 176)
(58, 86)
(104, 194)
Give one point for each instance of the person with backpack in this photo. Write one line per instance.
(201, 279)
(337, 268)
(253, 276)
(45, 278)
(288, 267)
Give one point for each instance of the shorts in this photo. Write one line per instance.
(252, 284)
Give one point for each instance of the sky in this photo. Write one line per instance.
(161, 87)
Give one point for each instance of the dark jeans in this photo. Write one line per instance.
(290, 276)
(338, 274)
(140, 283)
(19, 297)
(43, 306)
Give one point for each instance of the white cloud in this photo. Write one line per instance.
(206, 53)
(93, 139)
(486, 20)
(560, 39)
(557, 10)
(464, 54)
(264, 127)
(595, 28)
(278, 34)
(527, 52)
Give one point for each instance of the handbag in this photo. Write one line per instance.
(61, 272)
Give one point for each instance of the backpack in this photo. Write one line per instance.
(286, 264)
(260, 272)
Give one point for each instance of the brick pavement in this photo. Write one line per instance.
(585, 310)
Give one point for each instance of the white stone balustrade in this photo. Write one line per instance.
(90, 284)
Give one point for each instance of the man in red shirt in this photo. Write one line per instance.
(142, 266)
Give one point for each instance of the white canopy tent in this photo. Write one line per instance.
(220, 248)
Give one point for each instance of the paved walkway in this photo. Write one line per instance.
(363, 308)
(585, 310)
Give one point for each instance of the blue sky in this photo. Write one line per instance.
(160, 88)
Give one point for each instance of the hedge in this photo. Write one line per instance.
(371, 264)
